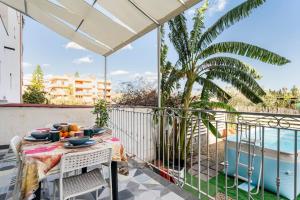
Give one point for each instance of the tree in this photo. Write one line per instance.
(137, 93)
(76, 75)
(199, 62)
(35, 93)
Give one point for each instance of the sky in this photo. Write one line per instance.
(274, 26)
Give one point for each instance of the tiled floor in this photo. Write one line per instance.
(140, 184)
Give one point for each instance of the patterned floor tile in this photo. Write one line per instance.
(136, 186)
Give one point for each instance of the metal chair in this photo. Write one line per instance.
(72, 186)
(15, 144)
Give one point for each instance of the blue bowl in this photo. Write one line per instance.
(97, 130)
(78, 140)
(40, 135)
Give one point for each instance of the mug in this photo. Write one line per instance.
(88, 132)
(54, 136)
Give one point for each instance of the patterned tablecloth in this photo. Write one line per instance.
(41, 159)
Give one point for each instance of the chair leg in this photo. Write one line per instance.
(54, 190)
(97, 195)
(110, 183)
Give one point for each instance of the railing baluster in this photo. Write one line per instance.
(263, 164)
(237, 154)
(217, 159)
(249, 162)
(207, 151)
(278, 165)
(295, 165)
(199, 154)
(226, 163)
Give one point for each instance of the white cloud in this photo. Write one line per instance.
(128, 47)
(45, 65)
(26, 64)
(149, 73)
(118, 72)
(73, 45)
(150, 77)
(218, 6)
(83, 60)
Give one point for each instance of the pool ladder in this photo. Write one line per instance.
(252, 144)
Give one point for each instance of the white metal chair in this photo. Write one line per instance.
(76, 185)
(15, 144)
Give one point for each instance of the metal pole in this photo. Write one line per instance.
(158, 65)
(105, 77)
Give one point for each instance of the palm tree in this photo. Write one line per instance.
(199, 62)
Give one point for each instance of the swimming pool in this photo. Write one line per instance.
(286, 164)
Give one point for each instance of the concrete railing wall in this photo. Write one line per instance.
(21, 119)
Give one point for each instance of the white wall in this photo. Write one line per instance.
(10, 54)
(20, 120)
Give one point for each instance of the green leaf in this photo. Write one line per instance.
(239, 85)
(179, 37)
(244, 49)
(228, 61)
(198, 26)
(212, 105)
(213, 88)
(219, 71)
(234, 15)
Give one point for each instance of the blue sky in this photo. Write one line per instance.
(274, 26)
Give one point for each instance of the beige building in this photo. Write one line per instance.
(72, 90)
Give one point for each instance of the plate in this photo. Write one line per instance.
(87, 144)
(30, 138)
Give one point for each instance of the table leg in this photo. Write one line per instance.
(37, 193)
(114, 179)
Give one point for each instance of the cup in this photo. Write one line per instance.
(78, 134)
(88, 132)
(54, 135)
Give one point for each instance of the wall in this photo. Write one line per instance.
(10, 54)
(20, 119)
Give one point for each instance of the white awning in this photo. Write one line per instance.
(102, 26)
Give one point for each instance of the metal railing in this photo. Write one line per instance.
(213, 153)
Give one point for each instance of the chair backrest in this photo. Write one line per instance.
(75, 161)
(15, 144)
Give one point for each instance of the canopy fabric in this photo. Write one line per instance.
(102, 26)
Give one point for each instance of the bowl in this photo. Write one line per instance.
(44, 130)
(39, 135)
(78, 140)
(58, 125)
(97, 130)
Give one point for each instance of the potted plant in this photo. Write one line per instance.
(101, 112)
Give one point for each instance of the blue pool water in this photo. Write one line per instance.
(286, 166)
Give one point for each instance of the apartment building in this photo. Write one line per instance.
(11, 27)
(73, 90)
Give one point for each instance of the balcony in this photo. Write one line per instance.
(253, 157)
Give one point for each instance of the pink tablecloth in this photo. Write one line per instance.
(42, 159)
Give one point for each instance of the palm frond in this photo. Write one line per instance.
(244, 49)
(244, 88)
(179, 37)
(220, 71)
(209, 85)
(228, 61)
(198, 26)
(231, 17)
(212, 105)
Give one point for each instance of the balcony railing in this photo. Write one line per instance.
(254, 156)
